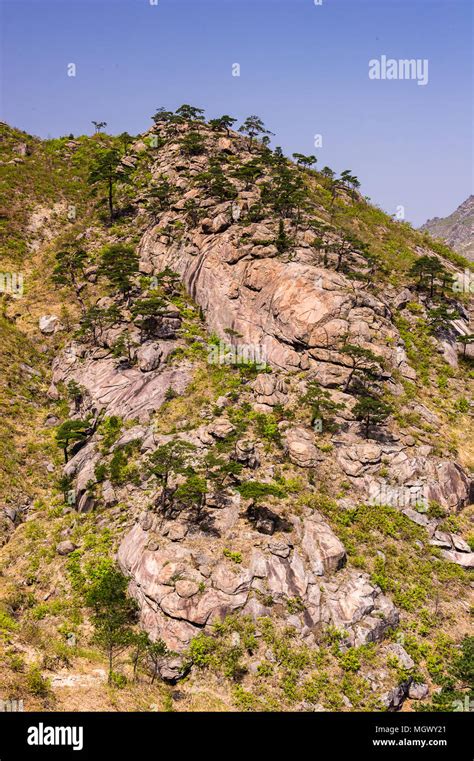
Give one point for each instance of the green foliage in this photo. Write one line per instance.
(120, 470)
(113, 613)
(431, 273)
(364, 364)
(440, 318)
(193, 144)
(192, 492)
(267, 427)
(110, 429)
(295, 605)
(95, 320)
(215, 182)
(253, 126)
(224, 122)
(463, 666)
(119, 263)
(371, 410)
(72, 432)
(282, 241)
(418, 345)
(321, 405)
(190, 113)
(107, 169)
(36, 683)
(257, 490)
(236, 557)
(350, 660)
(7, 623)
(71, 262)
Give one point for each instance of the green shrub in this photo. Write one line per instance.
(257, 489)
(236, 557)
(36, 683)
(350, 660)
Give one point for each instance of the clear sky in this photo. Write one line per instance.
(303, 70)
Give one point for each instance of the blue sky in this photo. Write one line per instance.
(304, 70)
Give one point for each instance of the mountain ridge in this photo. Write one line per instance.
(269, 527)
(457, 229)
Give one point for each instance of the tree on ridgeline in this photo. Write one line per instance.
(253, 126)
(99, 126)
(305, 161)
(190, 113)
(223, 123)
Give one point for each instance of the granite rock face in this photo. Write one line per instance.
(179, 595)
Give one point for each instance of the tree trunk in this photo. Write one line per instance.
(111, 200)
(110, 665)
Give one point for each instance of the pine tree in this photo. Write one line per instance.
(371, 410)
(119, 263)
(173, 457)
(252, 127)
(190, 113)
(108, 169)
(72, 432)
(69, 270)
(222, 123)
(364, 363)
(113, 614)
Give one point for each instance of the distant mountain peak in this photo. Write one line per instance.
(457, 230)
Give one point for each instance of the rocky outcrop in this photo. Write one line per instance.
(295, 312)
(130, 392)
(180, 591)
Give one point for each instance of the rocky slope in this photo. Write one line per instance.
(457, 230)
(277, 540)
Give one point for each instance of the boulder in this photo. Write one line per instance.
(301, 448)
(66, 547)
(221, 428)
(394, 699)
(418, 691)
(246, 453)
(405, 660)
(49, 324)
(325, 553)
(149, 357)
(464, 559)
